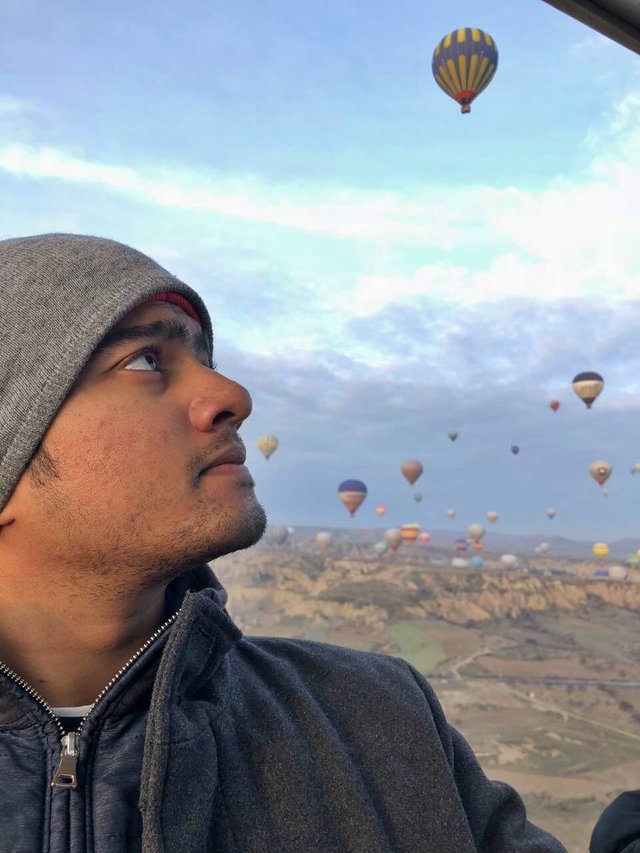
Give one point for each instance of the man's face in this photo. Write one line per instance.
(118, 488)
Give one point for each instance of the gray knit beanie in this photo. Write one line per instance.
(59, 296)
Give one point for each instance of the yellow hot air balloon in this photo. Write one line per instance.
(492, 517)
(409, 533)
(267, 444)
(600, 550)
(587, 386)
(464, 63)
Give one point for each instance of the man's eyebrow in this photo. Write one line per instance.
(166, 330)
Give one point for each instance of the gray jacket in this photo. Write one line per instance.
(211, 741)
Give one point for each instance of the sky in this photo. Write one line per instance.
(378, 267)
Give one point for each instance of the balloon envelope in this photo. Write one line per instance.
(555, 405)
(475, 532)
(417, 497)
(509, 561)
(588, 386)
(600, 471)
(393, 537)
(477, 562)
(267, 444)
(381, 509)
(409, 533)
(551, 512)
(492, 517)
(453, 434)
(451, 513)
(352, 493)
(464, 63)
(323, 540)
(515, 449)
(279, 534)
(600, 549)
(412, 469)
(424, 538)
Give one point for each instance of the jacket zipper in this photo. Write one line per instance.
(66, 773)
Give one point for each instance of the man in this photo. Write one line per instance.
(134, 716)
(618, 827)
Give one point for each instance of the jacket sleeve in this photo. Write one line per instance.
(618, 827)
(496, 813)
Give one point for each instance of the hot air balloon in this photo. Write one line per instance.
(380, 547)
(635, 468)
(279, 534)
(587, 386)
(409, 533)
(267, 444)
(393, 537)
(515, 449)
(551, 512)
(459, 562)
(543, 547)
(617, 573)
(417, 497)
(381, 509)
(600, 550)
(478, 545)
(453, 434)
(492, 517)
(464, 63)
(461, 545)
(424, 538)
(475, 532)
(600, 471)
(412, 469)
(477, 562)
(323, 540)
(555, 405)
(451, 513)
(352, 493)
(509, 561)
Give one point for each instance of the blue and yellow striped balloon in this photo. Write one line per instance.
(464, 63)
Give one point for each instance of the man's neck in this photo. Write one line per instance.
(69, 651)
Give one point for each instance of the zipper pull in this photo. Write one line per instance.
(65, 775)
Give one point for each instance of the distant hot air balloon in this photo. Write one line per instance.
(617, 573)
(451, 513)
(412, 469)
(453, 434)
(393, 537)
(352, 493)
(267, 444)
(600, 550)
(543, 547)
(381, 509)
(492, 517)
(475, 532)
(323, 540)
(551, 512)
(478, 545)
(424, 538)
(477, 562)
(509, 561)
(555, 405)
(587, 386)
(600, 471)
(461, 545)
(635, 468)
(380, 547)
(464, 63)
(417, 497)
(409, 533)
(279, 534)
(515, 449)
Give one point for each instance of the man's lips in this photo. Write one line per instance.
(234, 456)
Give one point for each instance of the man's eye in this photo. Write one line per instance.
(155, 352)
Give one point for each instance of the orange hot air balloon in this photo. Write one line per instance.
(409, 533)
(412, 469)
(555, 405)
(381, 509)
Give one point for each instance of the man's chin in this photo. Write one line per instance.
(248, 530)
